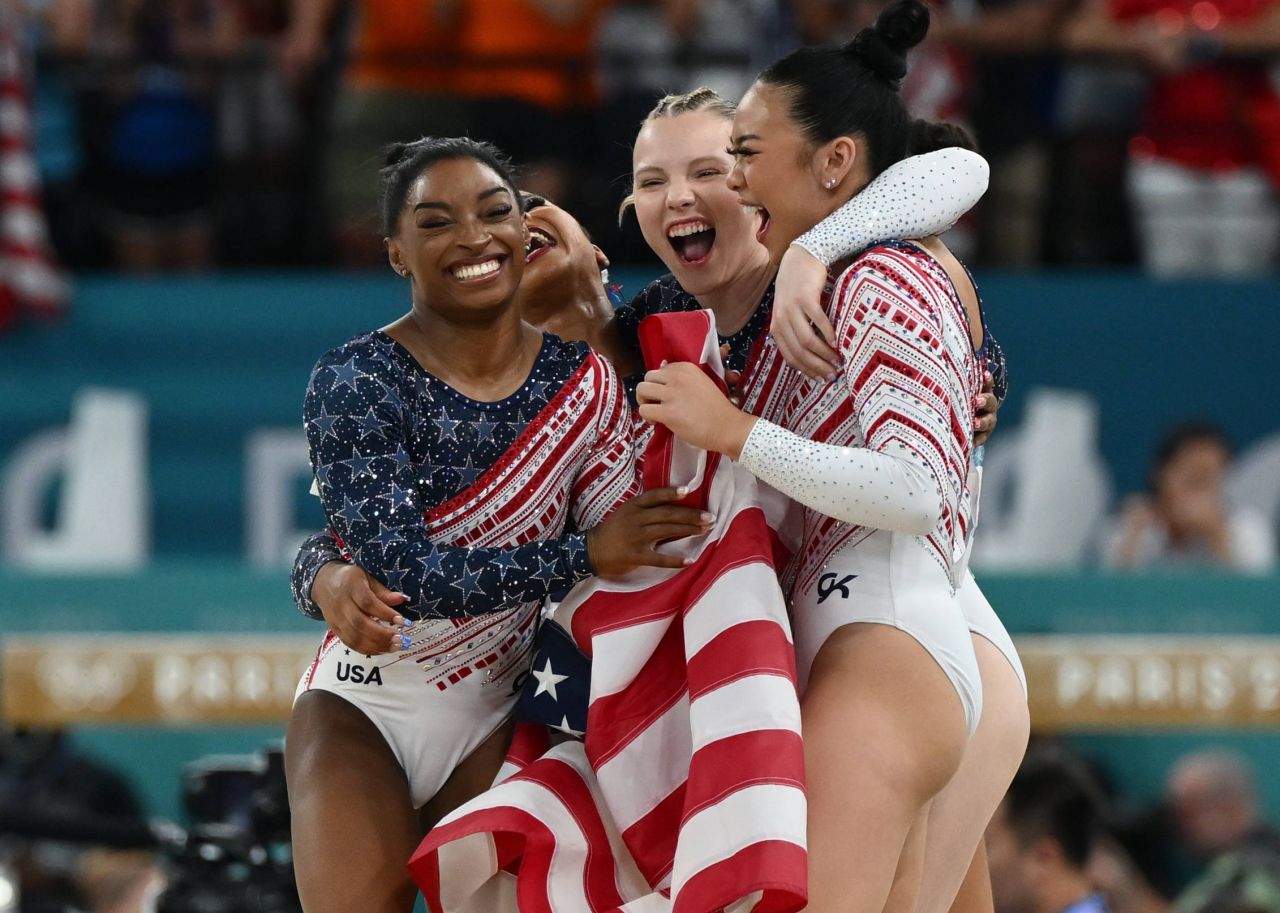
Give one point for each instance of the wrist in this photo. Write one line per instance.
(736, 435)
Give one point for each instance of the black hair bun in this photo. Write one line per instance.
(882, 47)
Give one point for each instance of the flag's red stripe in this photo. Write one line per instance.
(784, 880)
(615, 720)
(747, 759)
(652, 839)
(747, 648)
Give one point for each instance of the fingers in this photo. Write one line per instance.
(988, 382)
(672, 513)
(821, 325)
(667, 532)
(804, 349)
(372, 605)
(656, 496)
(658, 559)
(362, 633)
(648, 394)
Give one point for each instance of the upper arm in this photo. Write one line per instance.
(608, 475)
(896, 372)
(359, 436)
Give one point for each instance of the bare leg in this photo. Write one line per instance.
(960, 813)
(975, 892)
(906, 881)
(883, 731)
(354, 825)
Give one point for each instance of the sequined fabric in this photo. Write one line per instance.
(390, 442)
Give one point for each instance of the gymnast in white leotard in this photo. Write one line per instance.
(879, 455)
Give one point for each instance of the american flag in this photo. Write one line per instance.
(687, 794)
(30, 278)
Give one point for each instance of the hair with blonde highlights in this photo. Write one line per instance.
(702, 98)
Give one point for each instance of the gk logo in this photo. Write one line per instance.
(829, 583)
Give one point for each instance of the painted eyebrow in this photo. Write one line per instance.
(739, 140)
(435, 204)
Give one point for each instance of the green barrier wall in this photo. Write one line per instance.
(222, 598)
(219, 357)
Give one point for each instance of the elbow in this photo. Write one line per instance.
(925, 519)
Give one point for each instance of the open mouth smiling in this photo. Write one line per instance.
(692, 240)
(539, 243)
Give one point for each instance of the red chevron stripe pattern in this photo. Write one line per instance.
(565, 464)
(687, 795)
(907, 388)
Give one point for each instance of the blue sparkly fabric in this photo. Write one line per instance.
(664, 295)
(389, 442)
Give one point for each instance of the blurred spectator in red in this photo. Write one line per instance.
(158, 165)
(1204, 169)
(399, 86)
(30, 280)
(530, 81)
(1185, 518)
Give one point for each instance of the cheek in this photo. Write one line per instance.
(648, 216)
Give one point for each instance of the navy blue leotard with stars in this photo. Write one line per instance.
(389, 442)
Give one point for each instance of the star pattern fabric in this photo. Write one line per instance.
(390, 442)
(558, 689)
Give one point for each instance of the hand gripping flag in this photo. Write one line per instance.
(687, 794)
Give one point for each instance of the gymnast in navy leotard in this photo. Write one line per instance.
(477, 465)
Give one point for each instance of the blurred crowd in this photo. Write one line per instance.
(1064, 840)
(189, 134)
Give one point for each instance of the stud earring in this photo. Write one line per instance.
(831, 182)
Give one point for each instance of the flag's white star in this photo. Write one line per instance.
(547, 680)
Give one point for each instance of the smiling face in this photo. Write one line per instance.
(777, 169)
(687, 213)
(561, 261)
(461, 239)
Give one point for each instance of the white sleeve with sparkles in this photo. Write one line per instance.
(917, 197)
(852, 484)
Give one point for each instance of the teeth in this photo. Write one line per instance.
(541, 236)
(688, 228)
(476, 270)
(749, 209)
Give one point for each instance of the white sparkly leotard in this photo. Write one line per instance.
(921, 196)
(879, 458)
(476, 511)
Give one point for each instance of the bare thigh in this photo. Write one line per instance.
(960, 813)
(354, 825)
(884, 730)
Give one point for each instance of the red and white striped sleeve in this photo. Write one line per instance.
(896, 377)
(608, 476)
